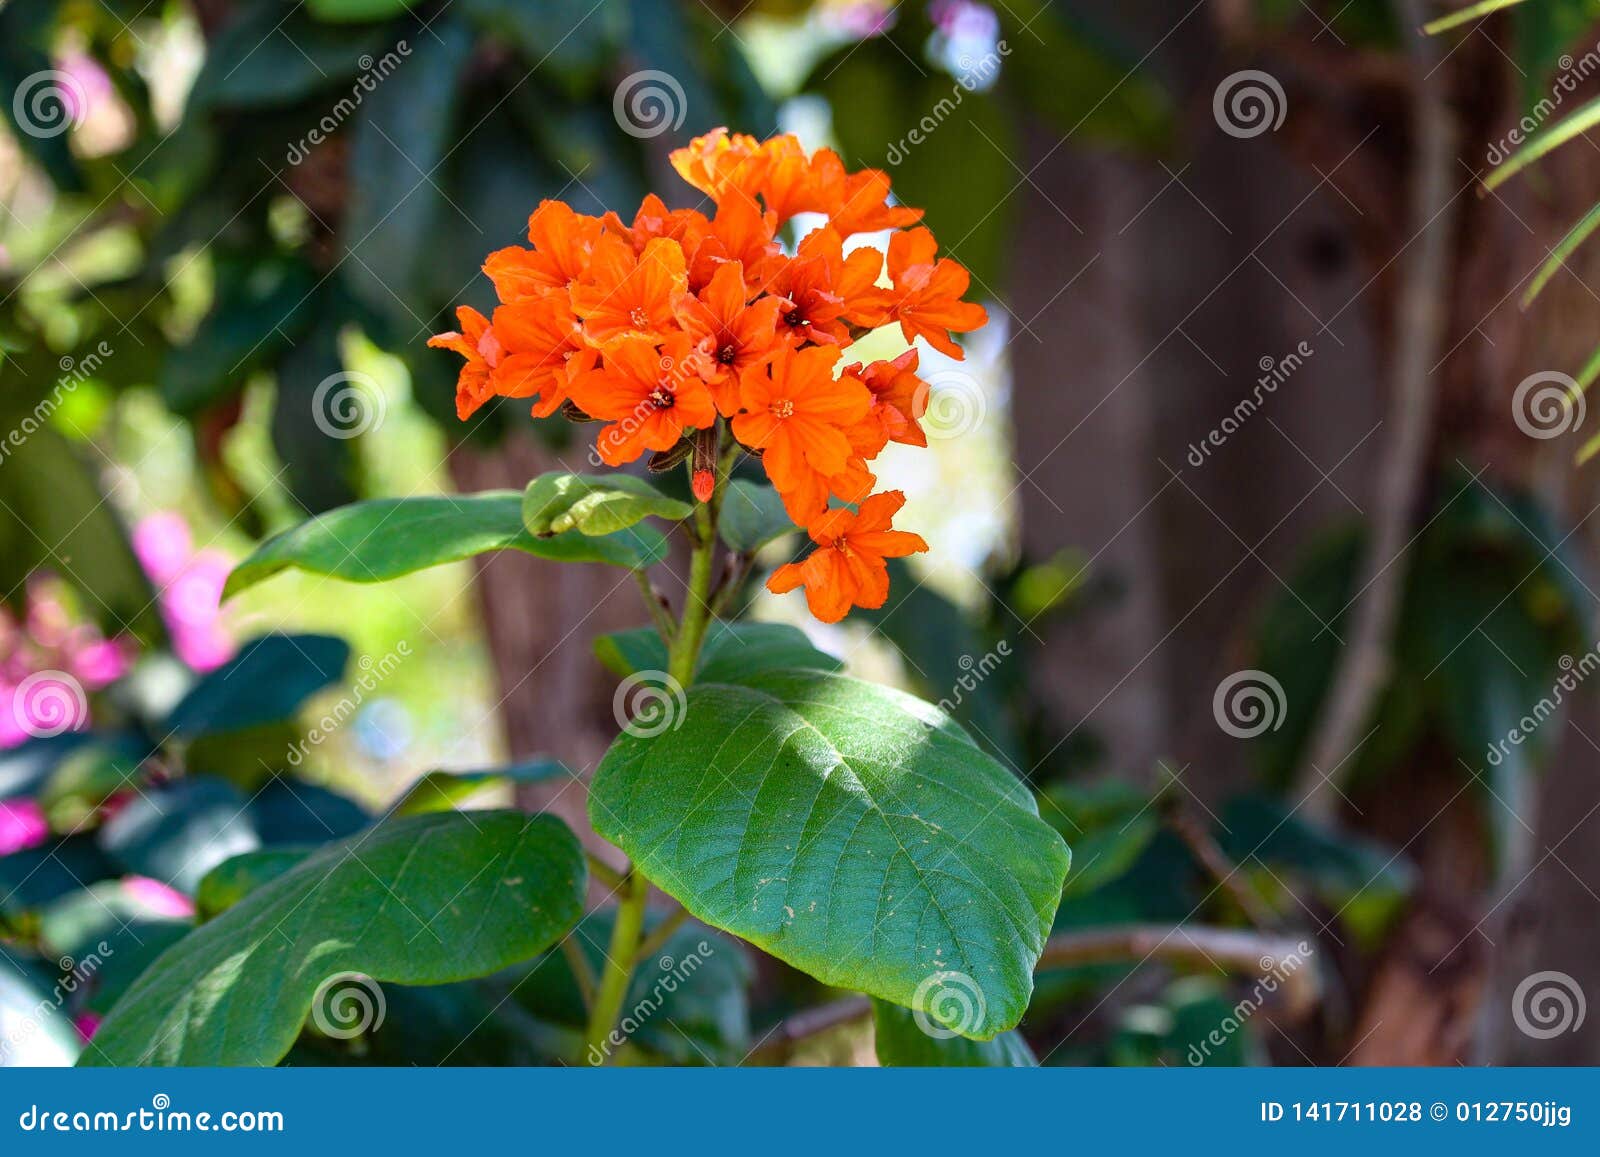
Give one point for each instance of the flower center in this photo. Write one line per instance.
(639, 317)
(782, 408)
(661, 398)
(727, 354)
(842, 545)
(794, 318)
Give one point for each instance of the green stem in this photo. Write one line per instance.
(620, 955)
(683, 655)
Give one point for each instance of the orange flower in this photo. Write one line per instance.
(628, 295)
(652, 398)
(864, 208)
(742, 233)
(794, 183)
(797, 415)
(477, 343)
(828, 292)
(539, 337)
(848, 568)
(926, 298)
(899, 397)
(685, 226)
(718, 163)
(732, 334)
(562, 240)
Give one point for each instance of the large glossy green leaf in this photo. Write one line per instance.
(594, 504)
(423, 900)
(731, 652)
(849, 829)
(376, 541)
(902, 1042)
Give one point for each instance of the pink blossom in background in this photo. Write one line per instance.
(22, 826)
(11, 731)
(85, 87)
(102, 661)
(157, 898)
(87, 1024)
(858, 19)
(190, 585)
(163, 544)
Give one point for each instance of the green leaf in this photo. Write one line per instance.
(594, 504)
(731, 651)
(442, 790)
(848, 829)
(318, 413)
(267, 681)
(400, 143)
(422, 900)
(33, 877)
(271, 56)
(178, 833)
(87, 776)
(26, 768)
(1564, 249)
(262, 304)
(1558, 134)
(571, 38)
(235, 878)
(342, 11)
(54, 517)
(902, 1043)
(1466, 15)
(752, 516)
(371, 542)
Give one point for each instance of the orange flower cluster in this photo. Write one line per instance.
(665, 326)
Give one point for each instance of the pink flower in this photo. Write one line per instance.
(163, 545)
(22, 826)
(102, 661)
(87, 1024)
(157, 898)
